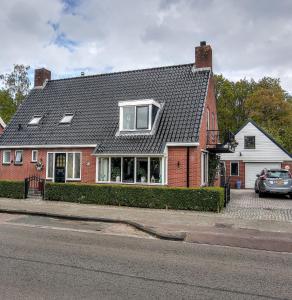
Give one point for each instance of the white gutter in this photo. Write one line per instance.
(47, 146)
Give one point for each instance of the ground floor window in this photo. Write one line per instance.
(68, 164)
(18, 157)
(144, 170)
(204, 168)
(6, 157)
(234, 168)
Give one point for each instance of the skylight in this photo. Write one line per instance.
(67, 118)
(35, 120)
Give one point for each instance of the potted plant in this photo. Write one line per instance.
(116, 173)
(142, 175)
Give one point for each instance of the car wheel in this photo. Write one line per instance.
(262, 195)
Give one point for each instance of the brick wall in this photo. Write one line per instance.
(177, 156)
(19, 172)
(241, 176)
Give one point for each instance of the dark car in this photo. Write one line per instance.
(274, 181)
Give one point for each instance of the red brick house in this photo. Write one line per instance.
(150, 126)
(2, 126)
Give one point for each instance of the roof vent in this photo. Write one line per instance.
(82, 73)
(19, 127)
(203, 43)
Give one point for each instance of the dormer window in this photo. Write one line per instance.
(35, 120)
(67, 119)
(138, 114)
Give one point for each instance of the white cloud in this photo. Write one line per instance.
(249, 38)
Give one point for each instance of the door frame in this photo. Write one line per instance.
(65, 177)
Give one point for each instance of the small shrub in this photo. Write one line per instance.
(201, 199)
(12, 189)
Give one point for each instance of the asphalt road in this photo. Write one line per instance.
(50, 259)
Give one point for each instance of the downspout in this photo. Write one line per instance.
(188, 166)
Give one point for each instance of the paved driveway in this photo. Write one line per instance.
(246, 204)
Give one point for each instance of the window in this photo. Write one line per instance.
(34, 155)
(128, 169)
(155, 170)
(204, 168)
(249, 142)
(140, 170)
(73, 166)
(50, 166)
(138, 114)
(103, 169)
(116, 169)
(142, 117)
(67, 118)
(18, 157)
(35, 120)
(213, 121)
(208, 119)
(234, 169)
(129, 118)
(6, 157)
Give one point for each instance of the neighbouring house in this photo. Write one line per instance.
(256, 150)
(153, 126)
(2, 125)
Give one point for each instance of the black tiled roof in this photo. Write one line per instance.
(94, 101)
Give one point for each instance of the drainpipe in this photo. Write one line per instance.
(188, 166)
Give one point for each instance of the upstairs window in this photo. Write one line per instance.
(249, 142)
(138, 114)
(35, 120)
(67, 119)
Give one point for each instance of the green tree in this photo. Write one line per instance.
(7, 106)
(17, 83)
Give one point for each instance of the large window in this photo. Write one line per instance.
(18, 157)
(141, 170)
(73, 166)
(138, 114)
(50, 166)
(6, 157)
(249, 142)
(234, 168)
(128, 169)
(204, 168)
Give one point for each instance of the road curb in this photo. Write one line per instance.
(174, 236)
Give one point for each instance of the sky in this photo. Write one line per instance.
(250, 39)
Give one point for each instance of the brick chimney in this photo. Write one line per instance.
(40, 76)
(203, 56)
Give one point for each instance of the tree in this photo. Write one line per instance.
(7, 106)
(17, 83)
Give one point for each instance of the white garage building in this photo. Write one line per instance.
(256, 150)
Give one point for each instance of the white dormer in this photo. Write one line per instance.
(138, 115)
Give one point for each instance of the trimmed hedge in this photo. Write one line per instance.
(202, 199)
(12, 189)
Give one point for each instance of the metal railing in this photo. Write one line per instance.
(34, 186)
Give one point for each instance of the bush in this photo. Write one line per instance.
(12, 189)
(202, 199)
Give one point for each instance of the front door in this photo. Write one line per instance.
(60, 167)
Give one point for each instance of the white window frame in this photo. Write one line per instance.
(234, 162)
(163, 175)
(204, 168)
(35, 123)
(74, 157)
(3, 156)
(208, 119)
(37, 155)
(15, 153)
(54, 160)
(137, 103)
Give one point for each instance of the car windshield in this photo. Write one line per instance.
(279, 174)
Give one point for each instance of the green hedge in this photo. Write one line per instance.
(12, 189)
(202, 199)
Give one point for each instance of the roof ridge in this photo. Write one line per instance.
(127, 71)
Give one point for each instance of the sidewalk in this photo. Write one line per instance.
(188, 226)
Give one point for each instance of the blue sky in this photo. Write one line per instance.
(249, 38)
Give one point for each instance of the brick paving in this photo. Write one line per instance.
(245, 204)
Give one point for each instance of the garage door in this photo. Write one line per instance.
(252, 169)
